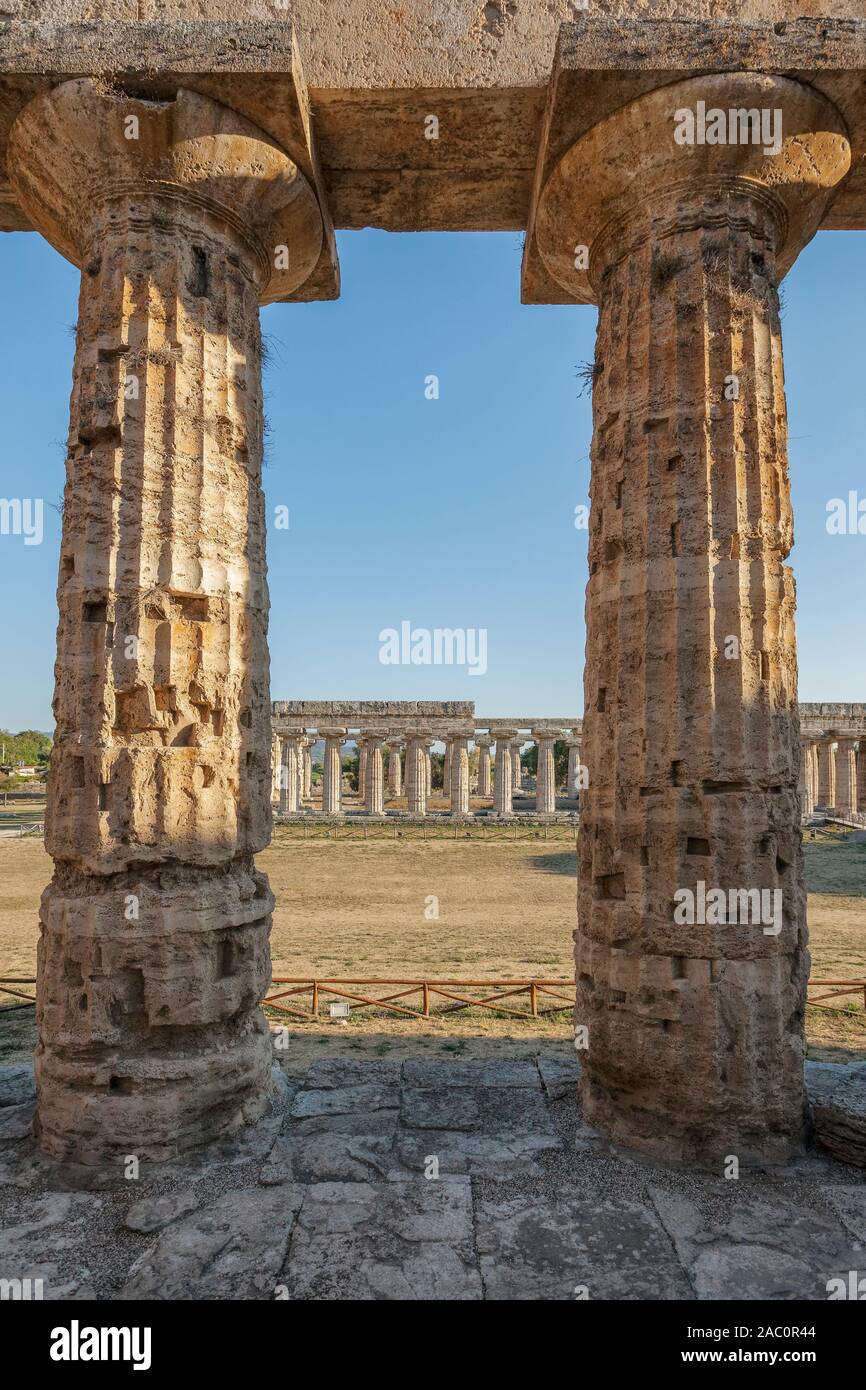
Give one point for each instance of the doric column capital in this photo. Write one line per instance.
(82, 158)
(656, 166)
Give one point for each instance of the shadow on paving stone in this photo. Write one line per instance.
(397, 1240)
(742, 1247)
(558, 1246)
(488, 1130)
(233, 1249)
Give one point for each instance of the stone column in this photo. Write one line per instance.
(417, 765)
(154, 931)
(573, 765)
(276, 762)
(374, 798)
(826, 773)
(806, 785)
(446, 769)
(483, 745)
(306, 769)
(861, 775)
(362, 769)
(502, 803)
(459, 770)
(332, 779)
(846, 775)
(395, 772)
(545, 781)
(695, 1029)
(289, 770)
(516, 769)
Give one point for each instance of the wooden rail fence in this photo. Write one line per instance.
(428, 991)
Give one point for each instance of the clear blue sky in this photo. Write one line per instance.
(457, 512)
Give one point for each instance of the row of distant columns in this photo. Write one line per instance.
(833, 775)
(293, 770)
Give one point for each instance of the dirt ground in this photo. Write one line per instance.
(487, 907)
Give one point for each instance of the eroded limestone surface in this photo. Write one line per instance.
(154, 953)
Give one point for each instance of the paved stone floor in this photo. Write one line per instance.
(423, 1180)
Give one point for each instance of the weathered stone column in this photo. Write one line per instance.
(153, 953)
(861, 775)
(428, 771)
(332, 778)
(545, 779)
(446, 769)
(459, 770)
(395, 772)
(483, 745)
(374, 799)
(290, 772)
(573, 765)
(502, 803)
(306, 769)
(362, 768)
(516, 769)
(416, 774)
(276, 763)
(826, 773)
(691, 722)
(806, 786)
(846, 775)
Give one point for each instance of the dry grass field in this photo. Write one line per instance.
(360, 908)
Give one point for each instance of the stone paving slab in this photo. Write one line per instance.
(334, 1155)
(497, 1071)
(838, 1098)
(344, 1100)
(398, 1240)
(49, 1241)
(16, 1121)
(17, 1085)
(559, 1245)
(559, 1076)
(735, 1246)
(850, 1204)
(337, 1072)
(233, 1248)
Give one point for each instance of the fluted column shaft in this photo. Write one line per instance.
(375, 781)
(545, 781)
(306, 770)
(416, 776)
(826, 774)
(459, 771)
(502, 795)
(861, 775)
(483, 746)
(333, 771)
(395, 773)
(446, 768)
(289, 773)
(516, 771)
(846, 774)
(807, 784)
(362, 769)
